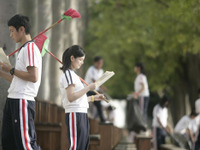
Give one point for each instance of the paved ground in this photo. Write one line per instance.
(125, 146)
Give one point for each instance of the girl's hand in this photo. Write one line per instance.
(135, 95)
(99, 97)
(92, 86)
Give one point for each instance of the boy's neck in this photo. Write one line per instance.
(25, 39)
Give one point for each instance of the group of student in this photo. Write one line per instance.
(186, 131)
(18, 129)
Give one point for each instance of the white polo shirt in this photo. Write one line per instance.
(183, 124)
(162, 114)
(93, 74)
(81, 104)
(29, 55)
(141, 78)
(197, 105)
(194, 124)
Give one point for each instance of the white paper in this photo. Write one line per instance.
(105, 77)
(3, 57)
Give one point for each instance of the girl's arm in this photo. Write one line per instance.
(97, 97)
(136, 94)
(141, 90)
(72, 96)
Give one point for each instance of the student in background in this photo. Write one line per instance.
(141, 89)
(92, 74)
(184, 128)
(110, 114)
(183, 124)
(197, 102)
(160, 123)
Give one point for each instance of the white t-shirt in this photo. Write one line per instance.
(80, 105)
(194, 124)
(93, 74)
(197, 105)
(183, 124)
(162, 114)
(29, 55)
(141, 78)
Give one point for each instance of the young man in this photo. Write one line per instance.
(185, 129)
(93, 73)
(18, 130)
(160, 124)
(183, 124)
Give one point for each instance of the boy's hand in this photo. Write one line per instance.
(5, 67)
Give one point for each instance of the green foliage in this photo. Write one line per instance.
(159, 33)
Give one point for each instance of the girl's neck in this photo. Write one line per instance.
(71, 68)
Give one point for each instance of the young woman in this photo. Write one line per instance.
(75, 100)
(141, 88)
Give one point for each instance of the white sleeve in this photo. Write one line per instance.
(158, 113)
(31, 55)
(69, 79)
(141, 79)
(88, 75)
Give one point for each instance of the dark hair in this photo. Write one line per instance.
(193, 112)
(141, 66)
(18, 20)
(199, 91)
(75, 51)
(163, 100)
(97, 58)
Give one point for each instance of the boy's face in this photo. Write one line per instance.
(16, 35)
(166, 104)
(99, 64)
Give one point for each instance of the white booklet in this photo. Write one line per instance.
(3, 57)
(105, 77)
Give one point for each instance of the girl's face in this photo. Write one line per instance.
(137, 69)
(76, 63)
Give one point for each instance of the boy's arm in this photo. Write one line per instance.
(167, 129)
(191, 135)
(6, 76)
(31, 75)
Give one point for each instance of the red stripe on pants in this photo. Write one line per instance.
(24, 123)
(73, 131)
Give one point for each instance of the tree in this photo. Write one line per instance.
(162, 34)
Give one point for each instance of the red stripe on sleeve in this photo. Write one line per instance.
(33, 53)
(29, 56)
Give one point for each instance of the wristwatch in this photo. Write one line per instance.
(12, 71)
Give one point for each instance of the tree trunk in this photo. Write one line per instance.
(44, 21)
(29, 8)
(7, 10)
(57, 48)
